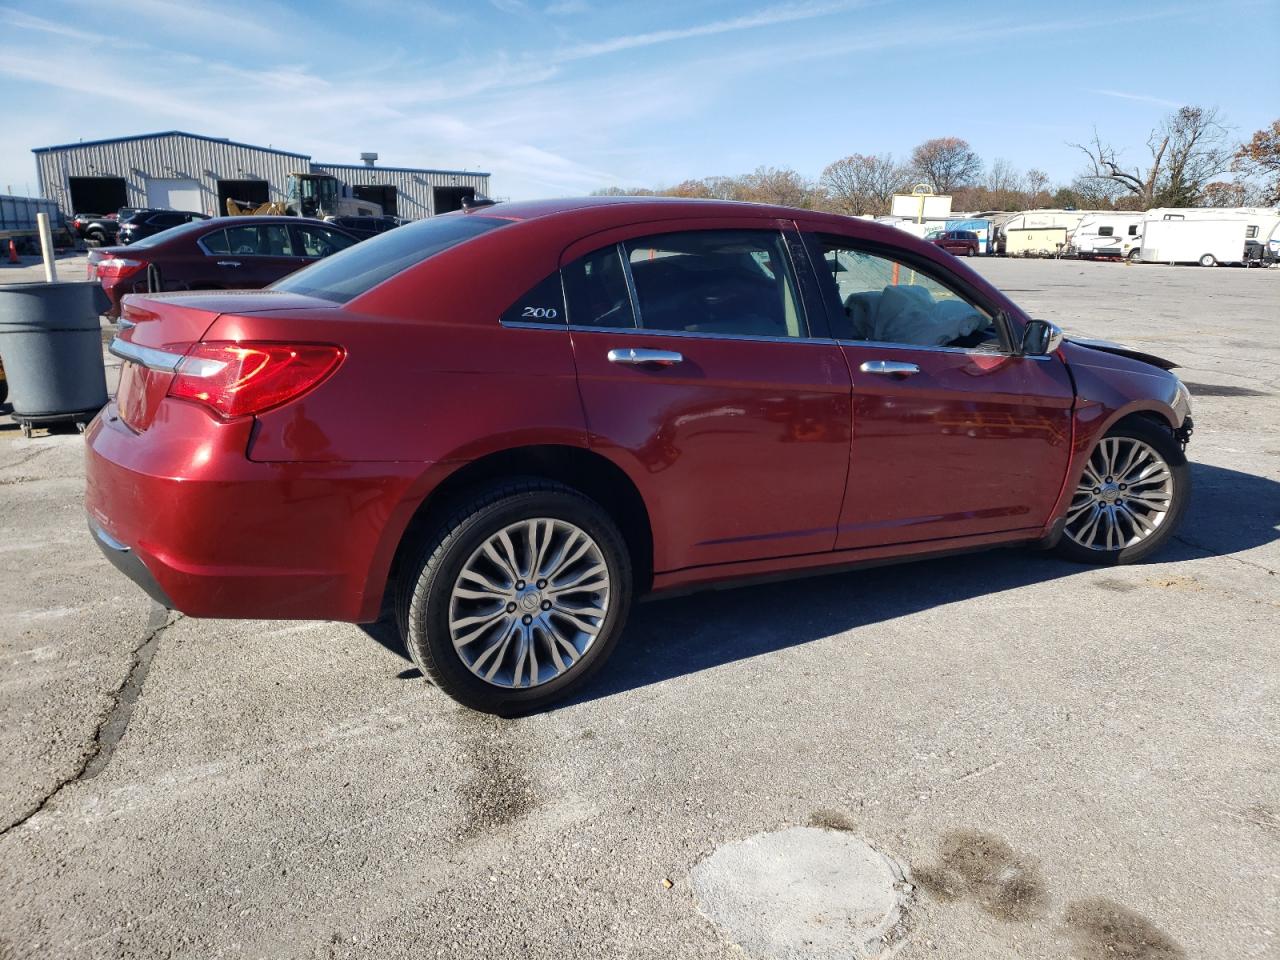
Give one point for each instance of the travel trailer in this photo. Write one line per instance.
(1035, 241)
(1194, 240)
(1107, 234)
(1066, 220)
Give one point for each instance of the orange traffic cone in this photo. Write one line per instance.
(13, 252)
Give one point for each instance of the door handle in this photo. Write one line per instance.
(228, 263)
(889, 368)
(640, 358)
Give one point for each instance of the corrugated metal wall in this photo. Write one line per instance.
(413, 187)
(165, 157)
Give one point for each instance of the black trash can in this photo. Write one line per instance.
(51, 345)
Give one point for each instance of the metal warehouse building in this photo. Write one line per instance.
(187, 171)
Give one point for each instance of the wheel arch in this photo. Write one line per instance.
(586, 471)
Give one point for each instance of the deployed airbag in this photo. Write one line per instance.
(908, 314)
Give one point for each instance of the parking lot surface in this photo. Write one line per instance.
(1064, 760)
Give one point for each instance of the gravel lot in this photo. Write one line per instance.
(1069, 761)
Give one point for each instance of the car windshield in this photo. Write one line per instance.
(360, 268)
(195, 226)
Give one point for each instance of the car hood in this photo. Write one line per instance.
(1120, 350)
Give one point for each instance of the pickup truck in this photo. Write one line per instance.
(100, 228)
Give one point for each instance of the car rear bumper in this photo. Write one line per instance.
(202, 529)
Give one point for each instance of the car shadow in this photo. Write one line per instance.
(1230, 512)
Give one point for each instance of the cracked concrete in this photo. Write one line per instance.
(280, 790)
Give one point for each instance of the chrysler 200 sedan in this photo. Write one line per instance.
(513, 420)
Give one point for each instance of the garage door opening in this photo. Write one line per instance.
(247, 193)
(448, 199)
(98, 194)
(167, 194)
(384, 195)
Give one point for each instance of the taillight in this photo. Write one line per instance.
(241, 379)
(117, 268)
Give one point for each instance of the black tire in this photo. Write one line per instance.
(427, 582)
(1208, 260)
(1161, 439)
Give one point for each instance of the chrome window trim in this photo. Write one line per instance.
(649, 332)
(149, 357)
(882, 345)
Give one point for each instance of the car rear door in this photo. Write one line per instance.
(701, 375)
(954, 433)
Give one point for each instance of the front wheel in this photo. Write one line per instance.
(518, 598)
(1130, 498)
(1208, 260)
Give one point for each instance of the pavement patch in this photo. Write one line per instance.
(803, 892)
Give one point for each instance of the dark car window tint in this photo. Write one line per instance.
(215, 242)
(543, 304)
(166, 219)
(733, 282)
(321, 242)
(364, 265)
(596, 290)
(884, 301)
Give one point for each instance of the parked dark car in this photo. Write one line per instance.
(961, 243)
(366, 227)
(512, 421)
(149, 222)
(223, 253)
(99, 228)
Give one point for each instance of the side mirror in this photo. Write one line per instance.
(1040, 338)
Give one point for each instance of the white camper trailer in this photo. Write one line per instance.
(1107, 234)
(1194, 240)
(1261, 222)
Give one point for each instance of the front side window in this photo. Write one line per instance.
(725, 282)
(1133, 229)
(321, 241)
(882, 300)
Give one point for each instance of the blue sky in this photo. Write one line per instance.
(559, 97)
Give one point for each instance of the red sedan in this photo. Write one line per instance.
(514, 420)
(226, 253)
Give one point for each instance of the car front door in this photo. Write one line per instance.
(954, 433)
(700, 374)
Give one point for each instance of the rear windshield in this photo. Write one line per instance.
(360, 268)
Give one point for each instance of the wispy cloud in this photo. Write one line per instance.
(1139, 97)
(769, 17)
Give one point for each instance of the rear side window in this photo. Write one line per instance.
(596, 289)
(215, 242)
(361, 267)
(543, 304)
(1106, 231)
(728, 282)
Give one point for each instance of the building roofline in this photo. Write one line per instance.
(171, 133)
(365, 166)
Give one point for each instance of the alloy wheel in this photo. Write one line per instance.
(529, 602)
(1123, 497)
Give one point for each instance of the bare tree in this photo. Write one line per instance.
(782, 186)
(946, 163)
(1188, 150)
(860, 184)
(1261, 157)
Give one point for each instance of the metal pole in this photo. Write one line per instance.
(46, 247)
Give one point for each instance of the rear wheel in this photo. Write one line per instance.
(1208, 260)
(1130, 498)
(518, 598)
(1135, 255)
